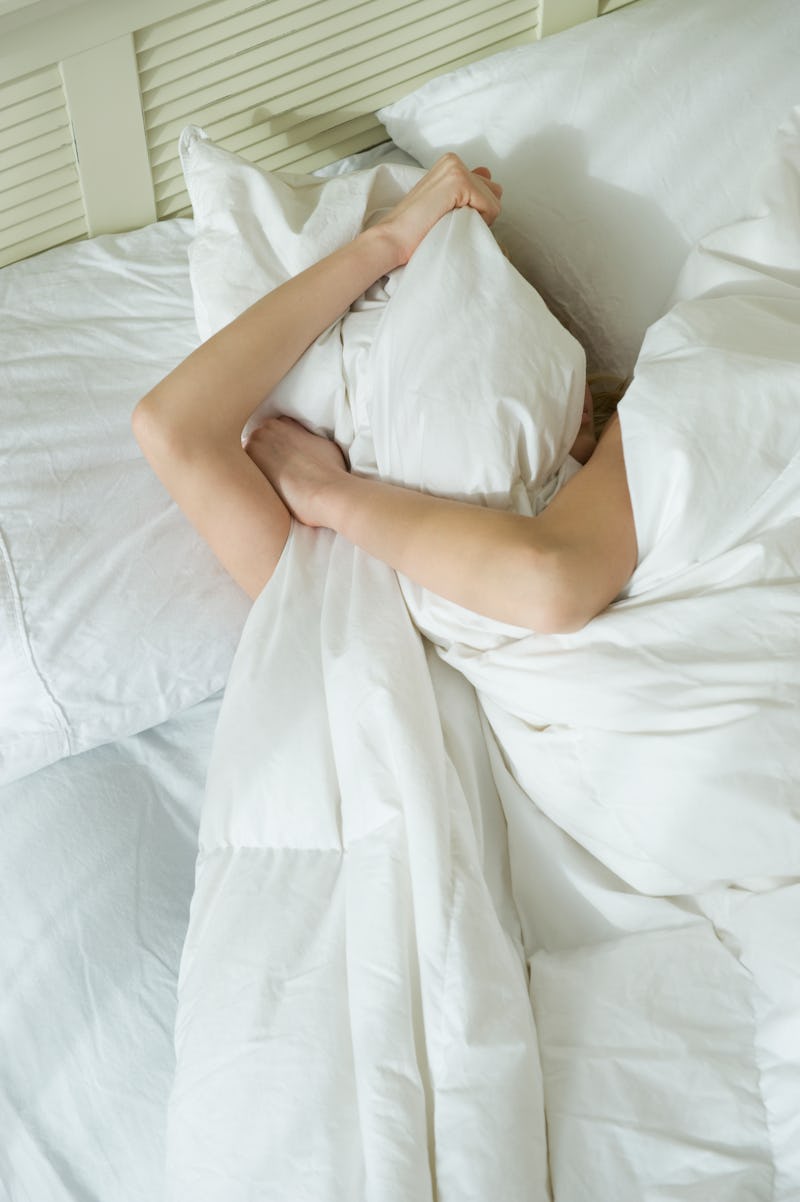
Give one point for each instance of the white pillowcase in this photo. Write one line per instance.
(113, 612)
(620, 143)
(481, 393)
(450, 376)
(253, 231)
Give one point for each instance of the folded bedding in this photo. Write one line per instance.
(354, 1020)
(439, 912)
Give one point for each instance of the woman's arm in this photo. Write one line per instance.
(189, 426)
(551, 573)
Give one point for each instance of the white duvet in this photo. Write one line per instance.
(531, 924)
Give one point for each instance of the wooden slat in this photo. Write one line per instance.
(321, 31)
(39, 208)
(201, 17)
(268, 142)
(25, 132)
(27, 191)
(41, 202)
(44, 239)
(304, 146)
(32, 108)
(361, 134)
(33, 168)
(195, 46)
(304, 76)
(288, 83)
(25, 87)
(306, 70)
(44, 144)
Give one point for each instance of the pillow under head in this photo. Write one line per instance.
(453, 362)
(620, 143)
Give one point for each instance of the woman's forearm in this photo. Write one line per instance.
(216, 389)
(550, 573)
(495, 563)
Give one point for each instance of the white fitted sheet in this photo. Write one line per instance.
(97, 858)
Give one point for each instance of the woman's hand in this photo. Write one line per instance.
(299, 465)
(448, 185)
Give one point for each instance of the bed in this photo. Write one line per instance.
(485, 916)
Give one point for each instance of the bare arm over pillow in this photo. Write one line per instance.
(550, 573)
(189, 426)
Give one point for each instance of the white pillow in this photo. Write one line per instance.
(113, 612)
(477, 390)
(450, 376)
(477, 395)
(465, 345)
(620, 143)
(254, 230)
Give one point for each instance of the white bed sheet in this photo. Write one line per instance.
(97, 857)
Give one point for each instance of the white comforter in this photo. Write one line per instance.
(436, 909)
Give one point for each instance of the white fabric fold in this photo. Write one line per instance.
(354, 1018)
(383, 848)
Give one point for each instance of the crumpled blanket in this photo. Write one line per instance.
(498, 915)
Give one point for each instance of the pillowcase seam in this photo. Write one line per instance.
(13, 607)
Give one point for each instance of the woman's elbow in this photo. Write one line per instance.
(151, 432)
(158, 435)
(147, 419)
(559, 615)
(559, 599)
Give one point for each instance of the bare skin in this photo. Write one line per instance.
(553, 572)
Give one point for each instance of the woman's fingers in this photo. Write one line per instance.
(468, 189)
(486, 174)
(300, 465)
(448, 185)
(484, 195)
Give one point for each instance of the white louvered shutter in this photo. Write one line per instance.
(294, 86)
(40, 194)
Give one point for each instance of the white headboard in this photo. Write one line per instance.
(93, 93)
